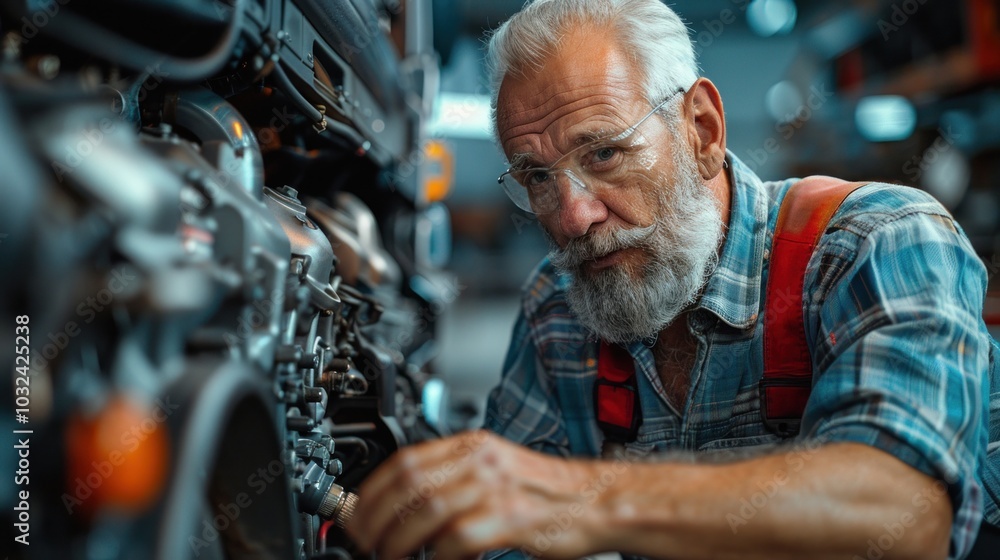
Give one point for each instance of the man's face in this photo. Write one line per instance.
(638, 252)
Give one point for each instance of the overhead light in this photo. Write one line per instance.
(946, 173)
(783, 101)
(458, 115)
(885, 118)
(434, 402)
(771, 17)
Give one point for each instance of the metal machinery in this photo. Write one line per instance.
(221, 242)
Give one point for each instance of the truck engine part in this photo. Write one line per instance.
(217, 259)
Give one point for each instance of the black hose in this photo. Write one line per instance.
(353, 441)
(87, 36)
(289, 89)
(293, 93)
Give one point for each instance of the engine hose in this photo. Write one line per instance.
(353, 441)
(293, 94)
(312, 113)
(87, 36)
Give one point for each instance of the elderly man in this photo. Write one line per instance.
(661, 248)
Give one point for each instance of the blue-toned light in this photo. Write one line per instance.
(459, 115)
(771, 17)
(885, 118)
(433, 402)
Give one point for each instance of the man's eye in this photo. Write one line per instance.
(603, 158)
(604, 154)
(536, 178)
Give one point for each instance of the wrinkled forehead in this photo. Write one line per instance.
(589, 85)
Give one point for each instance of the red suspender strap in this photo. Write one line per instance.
(787, 380)
(616, 395)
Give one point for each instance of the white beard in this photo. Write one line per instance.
(681, 247)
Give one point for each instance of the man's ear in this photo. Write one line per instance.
(706, 127)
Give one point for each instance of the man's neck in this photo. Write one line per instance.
(674, 353)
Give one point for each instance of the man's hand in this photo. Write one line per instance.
(478, 492)
(470, 493)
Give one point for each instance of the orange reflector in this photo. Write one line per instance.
(117, 459)
(440, 174)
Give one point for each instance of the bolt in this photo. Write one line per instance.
(48, 66)
(118, 103)
(11, 45)
(258, 293)
(300, 423)
(309, 360)
(287, 354)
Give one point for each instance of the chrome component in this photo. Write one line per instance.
(156, 265)
(349, 383)
(353, 231)
(339, 505)
(311, 251)
(227, 139)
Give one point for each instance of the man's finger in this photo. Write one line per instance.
(405, 472)
(421, 524)
(423, 486)
(482, 529)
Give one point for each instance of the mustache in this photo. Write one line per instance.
(598, 244)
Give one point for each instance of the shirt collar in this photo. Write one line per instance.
(733, 290)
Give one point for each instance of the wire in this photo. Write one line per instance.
(293, 93)
(83, 34)
(353, 441)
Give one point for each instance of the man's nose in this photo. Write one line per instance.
(579, 208)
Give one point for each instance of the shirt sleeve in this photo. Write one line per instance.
(523, 407)
(901, 353)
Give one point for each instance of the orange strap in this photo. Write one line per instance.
(787, 380)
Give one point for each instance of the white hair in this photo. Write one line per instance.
(649, 31)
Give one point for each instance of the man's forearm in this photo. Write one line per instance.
(837, 501)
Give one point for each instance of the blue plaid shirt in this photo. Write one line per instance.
(893, 296)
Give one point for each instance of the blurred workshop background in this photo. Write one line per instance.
(904, 91)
